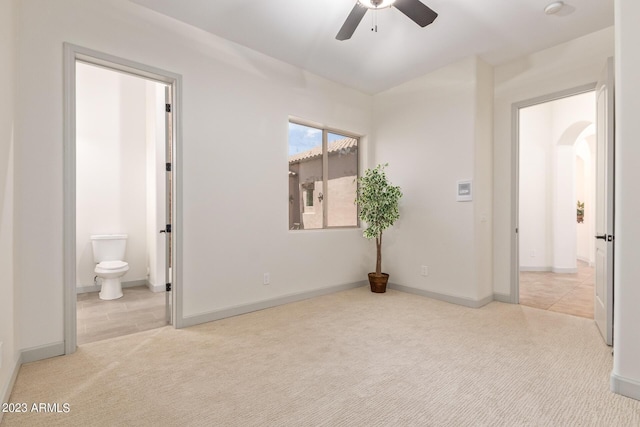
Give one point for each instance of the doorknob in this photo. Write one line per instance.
(603, 237)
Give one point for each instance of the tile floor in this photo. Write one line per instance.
(564, 293)
(138, 310)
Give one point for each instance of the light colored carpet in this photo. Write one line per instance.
(349, 359)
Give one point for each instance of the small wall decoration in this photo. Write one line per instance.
(465, 191)
(580, 212)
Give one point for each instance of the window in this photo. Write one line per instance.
(323, 172)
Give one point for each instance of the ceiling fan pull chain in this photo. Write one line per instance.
(374, 21)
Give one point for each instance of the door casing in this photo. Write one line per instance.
(73, 53)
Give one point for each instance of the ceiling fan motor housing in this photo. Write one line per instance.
(376, 4)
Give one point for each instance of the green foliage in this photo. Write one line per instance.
(378, 201)
(580, 212)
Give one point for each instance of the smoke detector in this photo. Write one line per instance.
(553, 8)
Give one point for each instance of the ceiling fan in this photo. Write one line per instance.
(414, 9)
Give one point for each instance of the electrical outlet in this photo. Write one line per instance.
(265, 279)
(424, 270)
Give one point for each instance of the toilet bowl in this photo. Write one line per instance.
(108, 253)
(110, 272)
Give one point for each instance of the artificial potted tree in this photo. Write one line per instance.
(377, 200)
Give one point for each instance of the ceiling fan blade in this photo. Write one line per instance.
(350, 25)
(417, 11)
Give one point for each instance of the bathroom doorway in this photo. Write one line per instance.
(120, 190)
(120, 180)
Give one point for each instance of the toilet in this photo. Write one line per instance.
(108, 253)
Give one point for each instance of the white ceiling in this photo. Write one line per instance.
(302, 33)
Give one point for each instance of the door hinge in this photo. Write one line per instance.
(168, 167)
(167, 108)
(168, 287)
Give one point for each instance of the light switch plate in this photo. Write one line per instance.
(465, 191)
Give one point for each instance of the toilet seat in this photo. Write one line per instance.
(112, 265)
(111, 272)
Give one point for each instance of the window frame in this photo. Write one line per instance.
(326, 130)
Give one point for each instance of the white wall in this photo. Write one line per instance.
(235, 105)
(564, 210)
(111, 164)
(483, 181)
(626, 335)
(8, 314)
(573, 120)
(585, 192)
(428, 131)
(575, 63)
(536, 176)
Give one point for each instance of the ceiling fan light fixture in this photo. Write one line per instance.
(415, 10)
(376, 4)
(553, 8)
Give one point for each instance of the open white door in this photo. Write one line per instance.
(603, 289)
(169, 204)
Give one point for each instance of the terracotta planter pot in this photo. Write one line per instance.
(378, 283)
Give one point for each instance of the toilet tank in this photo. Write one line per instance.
(108, 247)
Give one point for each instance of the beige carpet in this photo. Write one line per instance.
(349, 359)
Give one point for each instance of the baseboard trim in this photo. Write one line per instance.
(502, 298)
(524, 268)
(6, 393)
(586, 260)
(156, 288)
(96, 288)
(560, 270)
(467, 302)
(625, 386)
(269, 303)
(42, 352)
